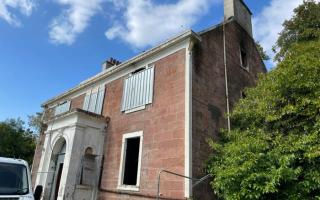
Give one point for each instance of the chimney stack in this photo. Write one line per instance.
(240, 12)
(110, 63)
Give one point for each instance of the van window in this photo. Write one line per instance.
(13, 179)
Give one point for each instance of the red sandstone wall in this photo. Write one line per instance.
(163, 120)
(77, 102)
(162, 123)
(208, 88)
(37, 158)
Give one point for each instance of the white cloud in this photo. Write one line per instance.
(24, 6)
(268, 24)
(73, 20)
(145, 23)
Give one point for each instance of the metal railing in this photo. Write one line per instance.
(198, 181)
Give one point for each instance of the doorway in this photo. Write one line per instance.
(58, 171)
(58, 181)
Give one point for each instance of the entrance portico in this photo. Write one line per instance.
(67, 140)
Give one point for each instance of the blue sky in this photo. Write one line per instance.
(50, 46)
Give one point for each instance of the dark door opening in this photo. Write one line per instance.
(58, 181)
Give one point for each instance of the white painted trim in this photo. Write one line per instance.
(188, 121)
(135, 109)
(121, 166)
(119, 72)
(128, 188)
(74, 127)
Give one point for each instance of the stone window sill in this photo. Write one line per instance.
(135, 109)
(245, 68)
(128, 188)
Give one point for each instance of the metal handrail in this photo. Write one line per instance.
(201, 180)
(180, 175)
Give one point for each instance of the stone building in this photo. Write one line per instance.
(110, 136)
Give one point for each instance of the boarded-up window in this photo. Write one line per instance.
(138, 89)
(89, 170)
(62, 108)
(93, 101)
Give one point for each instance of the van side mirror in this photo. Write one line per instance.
(38, 192)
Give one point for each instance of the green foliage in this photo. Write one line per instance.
(35, 121)
(273, 151)
(303, 26)
(16, 141)
(262, 52)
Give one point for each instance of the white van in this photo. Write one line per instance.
(15, 180)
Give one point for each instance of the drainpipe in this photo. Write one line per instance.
(102, 153)
(226, 73)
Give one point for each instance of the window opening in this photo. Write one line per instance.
(243, 58)
(131, 161)
(138, 89)
(138, 70)
(88, 169)
(62, 108)
(93, 101)
(242, 94)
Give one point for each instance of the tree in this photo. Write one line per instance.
(273, 151)
(35, 121)
(303, 26)
(263, 54)
(16, 141)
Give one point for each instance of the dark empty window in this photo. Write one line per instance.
(242, 94)
(243, 58)
(131, 161)
(138, 70)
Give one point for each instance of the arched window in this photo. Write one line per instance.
(88, 151)
(89, 168)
